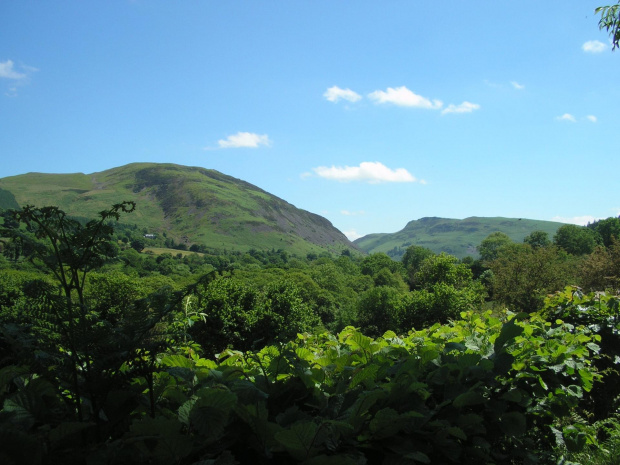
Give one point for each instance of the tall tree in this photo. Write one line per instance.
(523, 275)
(490, 247)
(537, 239)
(413, 258)
(608, 229)
(576, 240)
(443, 268)
(601, 269)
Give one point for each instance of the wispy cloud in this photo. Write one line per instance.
(566, 117)
(17, 77)
(465, 107)
(579, 220)
(370, 172)
(572, 119)
(515, 85)
(404, 97)
(244, 140)
(7, 71)
(333, 94)
(350, 213)
(594, 46)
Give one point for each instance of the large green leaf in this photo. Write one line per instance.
(31, 403)
(509, 331)
(514, 395)
(471, 423)
(10, 372)
(364, 401)
(574, 439)
(385, 423)
(185, 410)
(257, 417)
(209, 414)
(469, 398)
(20, 414)
(161, 440)
(575, 391)
(367, 373)
(298, 439)
(359, 341)
(177, 361)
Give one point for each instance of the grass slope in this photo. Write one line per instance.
(192, 205)
(7, 200)
(456, 237)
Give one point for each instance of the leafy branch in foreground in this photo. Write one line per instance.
(610, 21)
(482, 389)
(73, 372)
(68, 250)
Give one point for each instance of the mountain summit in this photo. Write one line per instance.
(456, 237)
(190, 204)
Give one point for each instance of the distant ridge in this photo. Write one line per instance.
(456, 237)
(192, 205)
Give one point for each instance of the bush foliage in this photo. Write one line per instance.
(111, 356)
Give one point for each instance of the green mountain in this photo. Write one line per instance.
(456, 237)
(7, 200)
(191, 205)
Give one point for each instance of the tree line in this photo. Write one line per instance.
(102, 346)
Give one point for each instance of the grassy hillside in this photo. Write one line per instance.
(192, 205)
(7, 200)
(457, 237)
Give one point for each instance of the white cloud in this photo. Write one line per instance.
(244, 140)
(593, 46)
(465, 107)
(403, 97)
(18, 77)
(370, 172)
(352, 234)
(592, 118)
(497, 85)
(567, 117)
(350, 213)
(333, 94)
(7, 71)
(579, 220)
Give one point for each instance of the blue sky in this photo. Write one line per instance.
(370, 113)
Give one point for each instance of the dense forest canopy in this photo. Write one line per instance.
(114, 352)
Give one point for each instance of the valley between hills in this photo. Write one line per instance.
(192, 205)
